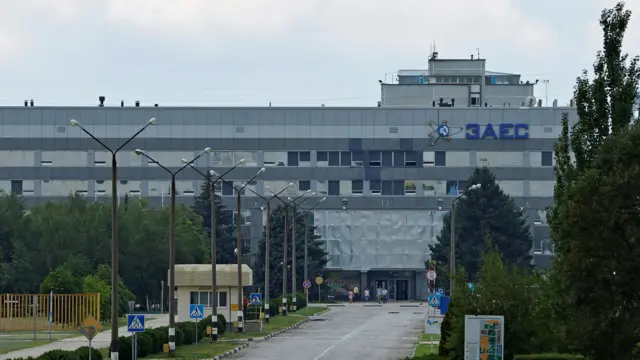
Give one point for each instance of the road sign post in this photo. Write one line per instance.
(135, 324)
(434, 300)
(255, 299)
(90, 327)
(306, 285)
(196, 312)
(319, 281)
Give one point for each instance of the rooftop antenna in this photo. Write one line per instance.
(478, 49)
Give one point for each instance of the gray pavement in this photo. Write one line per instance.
(355, 331)
(102, 340)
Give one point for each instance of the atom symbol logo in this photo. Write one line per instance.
(442, 130)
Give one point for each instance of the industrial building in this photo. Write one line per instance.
(389, 172)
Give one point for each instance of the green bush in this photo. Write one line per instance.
(83, 353)
(145, 344)
(549, 357)
(59, 355)
(427, 357)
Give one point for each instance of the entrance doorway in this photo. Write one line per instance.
(402, 290)
(382, 284)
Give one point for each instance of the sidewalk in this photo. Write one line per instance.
(102, 340)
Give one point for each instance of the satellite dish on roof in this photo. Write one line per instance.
(530, 101)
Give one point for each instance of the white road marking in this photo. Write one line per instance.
(349, 335)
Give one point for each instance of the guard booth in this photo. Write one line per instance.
(193, 286)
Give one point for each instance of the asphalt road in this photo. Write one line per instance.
(352, 332)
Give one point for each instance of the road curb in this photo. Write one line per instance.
(263, 338)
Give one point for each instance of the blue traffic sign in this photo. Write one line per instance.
(471, 287)
(434, 300)
(196, 311)
(135, 323)
(255, 299)
(440, 291)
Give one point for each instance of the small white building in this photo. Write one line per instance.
(193, 286)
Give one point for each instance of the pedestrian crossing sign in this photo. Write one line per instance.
(135, 323)
(196, 311)
(255, 299)
(434, 300)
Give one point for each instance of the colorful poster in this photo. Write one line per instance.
(484, 337)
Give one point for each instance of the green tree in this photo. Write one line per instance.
(103, 274)
(61, 281)
(225, 236)
(511, 291)
(483, 212)
(92, 285)
(316, 252)
(589, 196)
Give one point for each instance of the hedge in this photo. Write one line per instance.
(78, 354)
(549, 357)
(427, 357)
(276, 304)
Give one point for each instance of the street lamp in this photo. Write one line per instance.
(214, 225)
(114, 228)
(288, 204)
(239, 248)
(306, 244)
(452, 256)
(172, 243)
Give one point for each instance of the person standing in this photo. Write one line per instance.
(385, 294)
(350, 296)
(379, 295)
(356, 293)
(366, 294)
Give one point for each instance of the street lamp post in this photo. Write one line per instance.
(239, 250)
(306, 244)
(452, 255)
(214, 225)
(289, 204)
(114, 351)
(172, 243)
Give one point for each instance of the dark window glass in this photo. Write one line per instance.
(292, 158)
(345, 158)
(334, 158)
(334, 187)
(323, 156)
(387, 188)
(398, 158)
(305, 156)
(357, 185)
(375, 185)
(304, 185)
(547, 158)
(387, 158)
(441, 158)
(227, 188)
(357, 156)
(398, 187)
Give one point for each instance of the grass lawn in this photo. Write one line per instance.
(18, 340)
(426, 349)
(206, 350)
(276, 323)
(309, 311)
(429, 337)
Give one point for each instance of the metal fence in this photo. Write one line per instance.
(24, 312)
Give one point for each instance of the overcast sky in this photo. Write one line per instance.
(289, 52)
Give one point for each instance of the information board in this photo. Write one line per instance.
(483, 337)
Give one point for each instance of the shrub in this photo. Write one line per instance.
(83, 353)
(145, 344)
(59, 355)
(124, 348)
(549, 357)
(427, 357)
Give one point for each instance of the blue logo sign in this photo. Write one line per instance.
(135, 323)
(196, 311)
(434, 300)
(255, 299)
(442, 129)
(504, 131)
(440, 291)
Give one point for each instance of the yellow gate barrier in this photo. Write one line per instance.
(20, 312)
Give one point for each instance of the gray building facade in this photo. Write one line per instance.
(389, 174)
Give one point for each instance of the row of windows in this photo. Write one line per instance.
(205, 297)
(291, 158)
(322, 188)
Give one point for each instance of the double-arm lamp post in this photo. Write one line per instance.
(240, 326)
(290, 203)
(212, 178)
(172, 242)
(452, 245)
(114, 227)
(306, 244)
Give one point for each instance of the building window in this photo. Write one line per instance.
(299, 158)
(204, 298)
(322, 159)
(275, 158)
(475, 100)
(410, 187)
(387, 188)
(428, 158)
(16, 187)
(440, 158)
(345, 158)
(547, 158)
(429, 188)
(322, 188)
(246, 246)
(334, 187)
(375, 158)
(304, 185)
(375, 187)
(357, 187)
(455, 188)
(345, 188)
